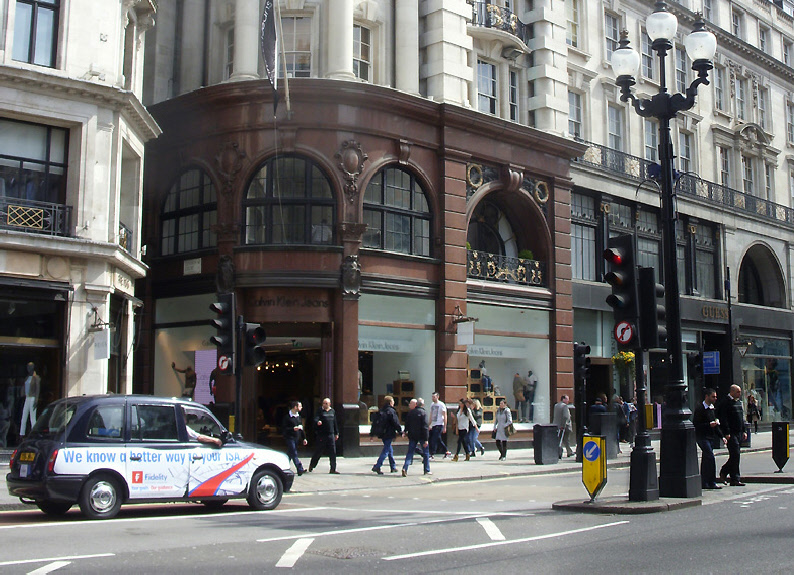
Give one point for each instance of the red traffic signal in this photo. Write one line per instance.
(255, 338)
(226, 332)
(622, 276)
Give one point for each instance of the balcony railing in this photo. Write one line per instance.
(626, 165)
(35, 217)
(493, 16)
(493, 267)
(125, 237)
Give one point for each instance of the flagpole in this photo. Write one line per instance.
(280, 37)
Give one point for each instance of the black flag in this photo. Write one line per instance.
(268, 39)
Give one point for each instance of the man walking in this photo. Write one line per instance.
(438, 426)
(731, 416)
(327, 434)
(707, 432)
(417, 431)
(390, 427)
(292, 429)
(562, 419)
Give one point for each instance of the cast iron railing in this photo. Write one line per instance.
(493, 267)
(492, 16)
(35, 217)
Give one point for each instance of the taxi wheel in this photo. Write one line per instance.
(53, 507)
(265, 490)
(100, 497)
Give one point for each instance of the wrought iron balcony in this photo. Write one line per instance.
(35, 217)
(125, 237)
(626, 165)
(492, 16)
(493, 267)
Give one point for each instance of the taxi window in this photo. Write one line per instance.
(106, 422)
(201, 422)
(153, 423)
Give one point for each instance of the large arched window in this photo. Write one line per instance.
(289, 201)
(189, 212)
(397, 214)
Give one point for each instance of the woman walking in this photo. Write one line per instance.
(474, 434)
(502, 420)
(390, 427)
(465, 422)
(753, 411)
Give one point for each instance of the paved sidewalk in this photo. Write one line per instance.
(356, 473)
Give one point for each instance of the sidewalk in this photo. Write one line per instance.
(356, 473)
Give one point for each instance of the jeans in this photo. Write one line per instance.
(387, 451)
(463, 441)
(708, 466)
(435, 439)
(409, 455)
(474, 441)
(292, 453)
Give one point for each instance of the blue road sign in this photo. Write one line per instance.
(711, 363)
(591, 451)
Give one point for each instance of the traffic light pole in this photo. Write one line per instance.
(643, 482)
(238, 376)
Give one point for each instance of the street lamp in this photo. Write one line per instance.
(678, 473)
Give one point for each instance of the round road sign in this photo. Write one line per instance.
(223, 362)
(624, 332)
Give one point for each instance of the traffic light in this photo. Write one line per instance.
(623, 299)
(581, 363)
(653, 330)
(254, 339)
(225, 338)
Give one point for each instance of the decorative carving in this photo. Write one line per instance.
(541, 192)
(229, 161)
(351, 162)
(224, 278)
(351, 231)
(474, 175)
(511, 179)
(405, 151)
(351, 278)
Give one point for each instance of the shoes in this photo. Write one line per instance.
(432, 458)
(405, 473)
(301, 472)
(468, 457)
(334, 472)
(455, 458)
(571, 454)
(723, 478)
(502, 458)
(712, 486)
(447, 454)
(428, 473)
(394, 470)
(737, 483)
(377, 470)
(482, 451)
(311, 469)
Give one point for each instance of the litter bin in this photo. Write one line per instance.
(605, 424)
(546, 444)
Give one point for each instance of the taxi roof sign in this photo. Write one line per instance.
(594, 464)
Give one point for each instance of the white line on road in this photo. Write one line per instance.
(294, 553)
(491, 529)
(49, 568)
(51, 559)
(486, 545)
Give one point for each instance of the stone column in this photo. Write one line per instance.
(246, 40)
(549, 67)
(340, 40)
(406, 58)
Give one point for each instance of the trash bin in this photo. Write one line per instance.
(546, 443)
(605, 424)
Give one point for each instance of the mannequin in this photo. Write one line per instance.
(32, 384)
(532, 384)
(190, 380)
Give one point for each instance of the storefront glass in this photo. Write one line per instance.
(766, 374)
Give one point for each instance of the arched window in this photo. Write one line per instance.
(397, 214)
(189, 212)
(289, 201)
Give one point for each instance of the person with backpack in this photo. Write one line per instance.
(386, 426)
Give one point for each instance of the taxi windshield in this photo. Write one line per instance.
(54, 418)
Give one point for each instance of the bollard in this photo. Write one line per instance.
(780, 444)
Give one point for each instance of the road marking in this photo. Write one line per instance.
(499, 543)
(294, 553)
(49, 568)
(490, 529)
(51, 559)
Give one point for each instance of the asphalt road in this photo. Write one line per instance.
(487, 526)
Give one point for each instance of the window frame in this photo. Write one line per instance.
(648, 67)
(36, 9)
(611, 26)
(487, 94)
(572, 17)
(681, 69)
(615, 139)
(362, 62)
(651, 139)
(202, 210)
(575, 110)
(292, 55)
(584, 237)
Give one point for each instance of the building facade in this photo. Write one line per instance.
(72, 135)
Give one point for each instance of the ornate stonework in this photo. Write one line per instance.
(351, 162)
(351, 278)
(229, 162)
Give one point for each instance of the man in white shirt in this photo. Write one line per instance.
(438, 426)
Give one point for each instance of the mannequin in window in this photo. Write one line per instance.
(321, 234)
(190, 380)
(32, 387)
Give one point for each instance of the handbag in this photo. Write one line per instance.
(493, 433)
(510, 430)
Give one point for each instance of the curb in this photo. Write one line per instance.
(621, 506)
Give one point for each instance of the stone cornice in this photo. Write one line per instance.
(124, 101)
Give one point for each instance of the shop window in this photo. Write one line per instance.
(397, 214)
(33, 160)
(289, 202)
(36, 32)
(189, 214)
(766, 373)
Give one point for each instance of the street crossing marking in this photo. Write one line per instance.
(51, 559)
(491, 529)
(294, 553)
(49, 568)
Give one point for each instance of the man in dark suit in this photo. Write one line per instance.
(707, 433)
(292, 429)
(417, 431)
(731, 416)
(327, 433)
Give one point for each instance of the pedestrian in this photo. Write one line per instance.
(465, 422)
(622, 422)
(731, 416)
(438, 426)
(633, 414)
(327, 433)
(416, 428)
(390, 427)
(562, 419)
(753, 411)
(707, 433)
(293, 432)
(502, 420)
(474, 434)
(518, 392)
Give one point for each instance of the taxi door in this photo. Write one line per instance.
(157, 461)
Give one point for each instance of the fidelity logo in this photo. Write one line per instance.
(137, 476)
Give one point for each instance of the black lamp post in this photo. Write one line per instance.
(678, 473)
